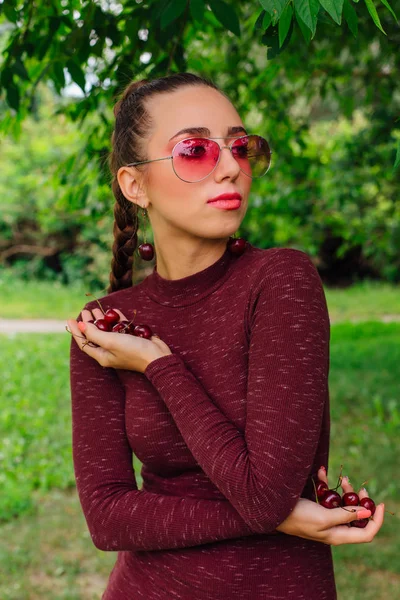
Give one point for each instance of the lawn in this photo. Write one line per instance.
(45, 548)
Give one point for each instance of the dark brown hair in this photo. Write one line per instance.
(132, 125)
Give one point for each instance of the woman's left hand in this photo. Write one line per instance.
(116, 350)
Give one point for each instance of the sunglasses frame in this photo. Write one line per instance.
(216, 164)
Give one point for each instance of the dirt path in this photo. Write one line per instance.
(12, 326)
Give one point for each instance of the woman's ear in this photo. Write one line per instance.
(129, 180)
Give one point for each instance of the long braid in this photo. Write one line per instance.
(125, 240)
(132, 124)
(126, 220)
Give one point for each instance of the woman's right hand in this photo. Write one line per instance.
(312, 521)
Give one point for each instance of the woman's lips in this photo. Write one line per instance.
(226, 204)
(227, 196)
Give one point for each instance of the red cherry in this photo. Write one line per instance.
(321, 488)
(369, 504)
(350, 499)
(111, 316)
(361, 523)
(121, 327)
(146, 251)
(331, 499)
(142, 331)
(237, 245)
(103, 325)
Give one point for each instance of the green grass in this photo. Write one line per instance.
(40, 299)
(367, 300)
(45, 548)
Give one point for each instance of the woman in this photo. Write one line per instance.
(228, 409)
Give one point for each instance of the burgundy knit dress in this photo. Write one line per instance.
(228, 427)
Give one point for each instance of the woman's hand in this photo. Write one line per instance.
(312, 521)
(116, 350)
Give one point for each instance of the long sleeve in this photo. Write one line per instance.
(263, 470)
(118, 515)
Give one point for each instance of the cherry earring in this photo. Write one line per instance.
(237, 245)
(146, 250)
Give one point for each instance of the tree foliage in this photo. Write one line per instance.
(287, 66)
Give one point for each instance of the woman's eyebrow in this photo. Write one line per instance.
(206, 131)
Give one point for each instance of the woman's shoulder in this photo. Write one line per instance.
(268, 261)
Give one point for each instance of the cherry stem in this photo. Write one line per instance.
(339, 480)
(315, 490)
(90, 343)
(364, 482)
(98, 301)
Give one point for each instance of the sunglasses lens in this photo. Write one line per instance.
(253, 155)
(195, 158)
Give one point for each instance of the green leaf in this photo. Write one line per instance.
(275, 8)
(334, 9)
(284, 24)
(13, 97)
(271, 39)
(10, 13)
(308, 11)
(351, 18)
(58, 73)
(197, 8)
(386, 3)
(372, 11)
(267, 21)
(76, 73)
(19, 69)
(226, 15)
(397, 161)
(172, 12)
(6, 76)
(259, 23)
(304, 30)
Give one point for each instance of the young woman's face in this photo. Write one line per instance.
(180, 208)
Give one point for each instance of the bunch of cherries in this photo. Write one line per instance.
(111, 322)
(329, 498)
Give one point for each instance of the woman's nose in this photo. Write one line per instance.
(227, 164)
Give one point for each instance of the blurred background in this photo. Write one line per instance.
(320, 81)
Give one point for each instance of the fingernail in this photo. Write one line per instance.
(323, 468)
(364, 490)
(82, 326)
(363, 514)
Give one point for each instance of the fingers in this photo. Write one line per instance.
(353, 535)
(322, 475)
(346, 485)
(87, 315)
(102, 338)
(344, 515)
(363, 493)
(90, 334)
